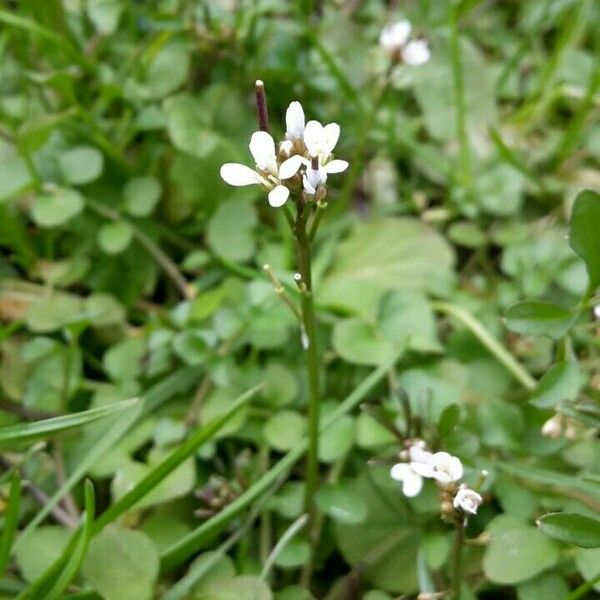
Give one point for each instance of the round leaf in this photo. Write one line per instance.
(539, 318)
(572, 528)
(81, 164)
(141, 195)
(285, 429)
(56, 208)
(122, 564)
(113, 238)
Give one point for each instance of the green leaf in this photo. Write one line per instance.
(113, 238)
(382, 255)
(230, 231)
(587, 561)
(281, 386)
(467, 234)
(122, 564)
(583, 237)
(40, 549)
(284, 430)
(516, 553)
(105, 14)
(81, 165)
(539, 318)
(141, 195)
(243, 587)
(572, 528)
(341, 502)
(28, 432)
(14, 176)
(188, 126)
(361, 343)
(56, 207)
(561, 383)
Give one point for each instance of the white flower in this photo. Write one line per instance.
(416, 53)
(412, 481)
(442, 467)
(294, 121)
(394, 36)
(320, 141)
(467, 499)
(395, 40)
(268, 173)
(597, 311)
(313, 178)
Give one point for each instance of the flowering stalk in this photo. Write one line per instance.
(296, 169)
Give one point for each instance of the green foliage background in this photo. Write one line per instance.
(128, 269)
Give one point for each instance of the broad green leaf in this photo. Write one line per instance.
(113, 238)
(583, 236)
(361, 343)
(105, 14)
(295, 554)
(546, 585)
(40, 549)
(56, 207)
(467, 234)
(14, 176)
(284, 430)
(122, 564)
(230, 231)
(341, 502)
(81, 165)
(388, 524)
(539, 318)
(54, 312)
(243, 587)
(571, 528)
(281, 386)
(28, 432)
(517, 553)
(382, 255)
(337, 440)
(588, 561)
(561, 383)
(141, 195)
(188, 126)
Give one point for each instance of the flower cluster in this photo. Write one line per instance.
(305, 155)
(397, 41)
(445, 469)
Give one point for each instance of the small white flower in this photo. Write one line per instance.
(313, 178)
(320, 141)
(416, 53)
(553, 426)
(412, 482)
(408, 473)
(442, 466)
(268, 173)
(395, 36)
(597, 311)
(467, 499)
(294, 121)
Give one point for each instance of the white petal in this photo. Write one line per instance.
(396, 35)
(400, 471)
(262, 147)
(278, 196)
(239, 175)
(308, 187)
(423, 469)
(313, 137)
(331, 135)
(412, 485)
(294, 121)
(416, 53)
(290, 167)
(448, 467)
(336, 166)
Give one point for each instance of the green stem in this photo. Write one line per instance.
(459, 542)
(310, 345)
(459, 100)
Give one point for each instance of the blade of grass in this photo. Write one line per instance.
(287, 536)
(28, 432)
(173, 460)
(196, 539)
(76, 558)
(11, 521)
(489, 341)
(584, 588)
